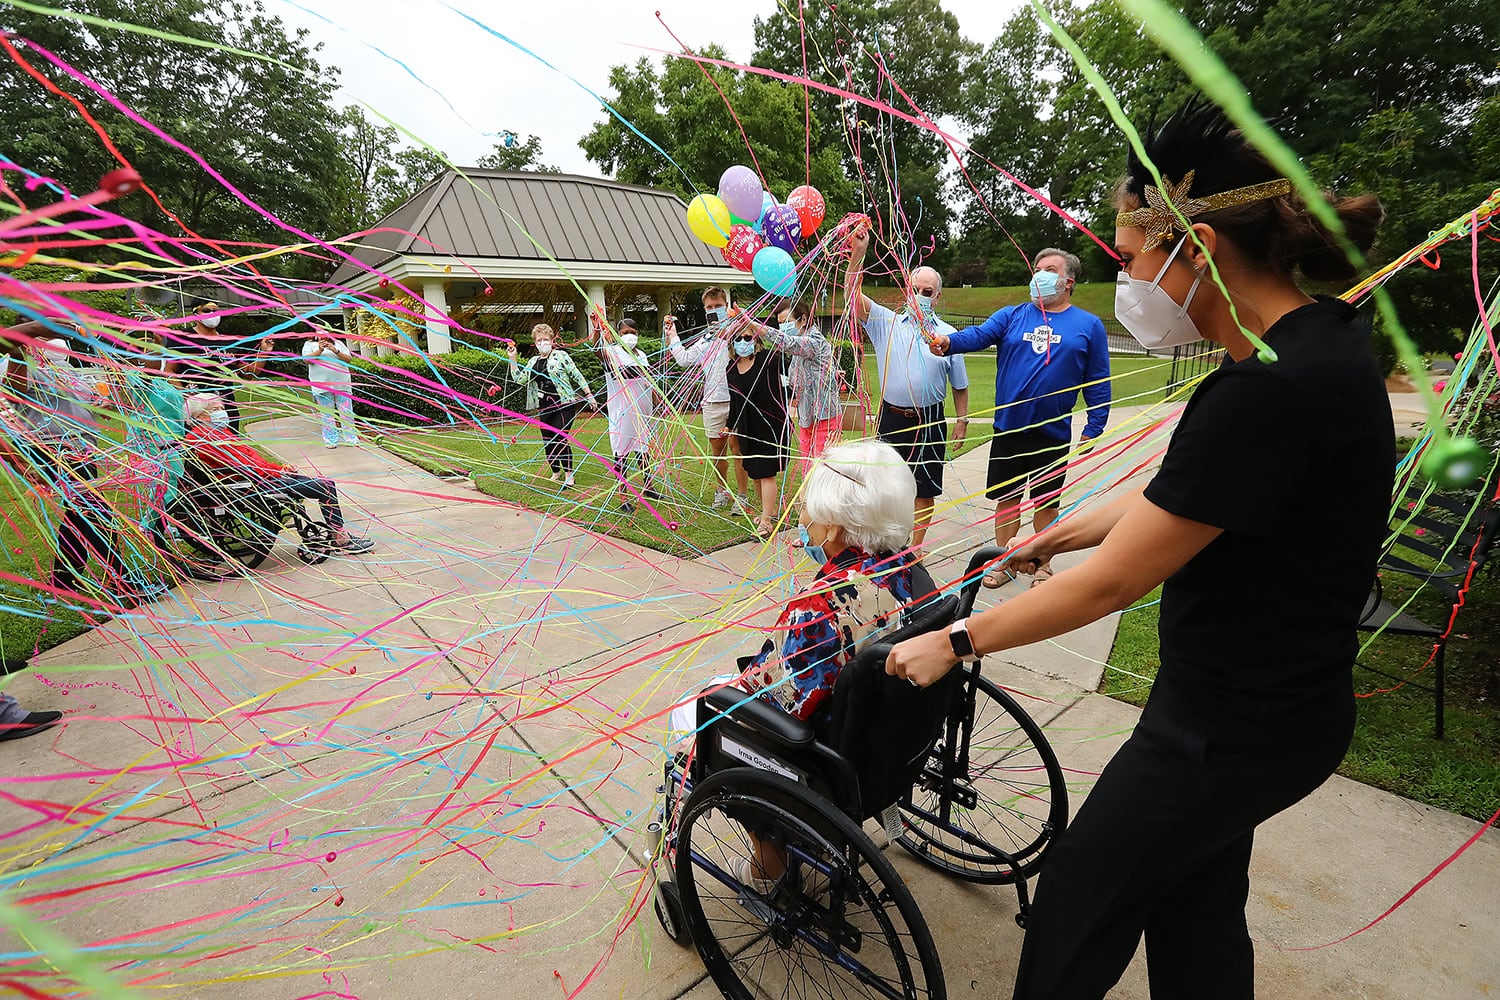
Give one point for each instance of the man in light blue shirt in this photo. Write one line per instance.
(913, 380)
(1047, 350)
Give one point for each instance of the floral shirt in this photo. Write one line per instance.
(854, 600)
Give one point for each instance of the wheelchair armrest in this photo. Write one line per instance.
(760, 715)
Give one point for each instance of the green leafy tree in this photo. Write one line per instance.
(679, 109)
(268, 128)
(872, 47)
(517, 156)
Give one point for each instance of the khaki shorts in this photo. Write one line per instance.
(716, 419)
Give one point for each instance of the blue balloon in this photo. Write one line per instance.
(775, 271)
(766, 204)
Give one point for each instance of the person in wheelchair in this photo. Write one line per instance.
(857, 508)
(220, 449)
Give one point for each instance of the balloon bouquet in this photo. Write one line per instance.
(762, 247)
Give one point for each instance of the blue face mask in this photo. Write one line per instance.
(219, 418)
(814, 552)
(789, 328)
(925, 305)
(1044, 284)
(744, 348)
(718, 314)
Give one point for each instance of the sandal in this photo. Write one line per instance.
(994, 579)
(1042, 575)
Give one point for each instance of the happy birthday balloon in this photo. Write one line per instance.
(740, 190)
(775, 271)
(810, 207)
(708, 218)
(781, 227)
(744, 243)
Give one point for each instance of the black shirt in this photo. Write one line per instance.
(211, 362)
(1295, 460)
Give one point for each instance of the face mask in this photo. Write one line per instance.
(1044, 284)
(718, 314)
(219, 418)
(789, 328)
(744, 348)
(1151, 315)
(544, 347)
(212, 322)
(814, 552)
(629, 340)
(925, 305)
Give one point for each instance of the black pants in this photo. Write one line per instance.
(556, 419)
(921, 436)
(87, 526)
(310, 488)
(1162, 847)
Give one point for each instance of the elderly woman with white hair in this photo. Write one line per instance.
(857, 517)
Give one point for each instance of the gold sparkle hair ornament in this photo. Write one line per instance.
(1158, 218)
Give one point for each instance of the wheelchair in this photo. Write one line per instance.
(957, 773)
(222, 516)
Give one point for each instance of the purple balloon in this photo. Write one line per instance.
(782, 226)
(740, 189)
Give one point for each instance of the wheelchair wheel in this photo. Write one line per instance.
(838, 922)
(248, 531)
(317, 542)
(669, 913)
(991, 798)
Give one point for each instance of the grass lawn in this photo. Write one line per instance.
(1393, 746)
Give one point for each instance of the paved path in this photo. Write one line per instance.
(385, 778)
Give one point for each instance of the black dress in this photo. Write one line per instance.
(757, 413)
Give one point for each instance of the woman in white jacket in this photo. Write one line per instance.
(332, 386)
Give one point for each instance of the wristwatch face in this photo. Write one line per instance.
(958, 638)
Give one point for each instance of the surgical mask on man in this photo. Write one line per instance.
(544, 347)
(814, 552)
(219, 418)
(925, 305)
(717, 314)
(744, 348)
(1153, 317)
(212, 322)
(629, 340)
(1044, 284)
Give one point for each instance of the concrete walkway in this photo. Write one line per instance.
(423, 773)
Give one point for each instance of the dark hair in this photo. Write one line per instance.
(626, 323)
(1279, 231)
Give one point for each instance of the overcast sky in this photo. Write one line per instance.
(450, 81)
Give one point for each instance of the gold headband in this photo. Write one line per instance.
(1159, 220)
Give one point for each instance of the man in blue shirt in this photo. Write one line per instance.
(914, 381)
(1047, 350)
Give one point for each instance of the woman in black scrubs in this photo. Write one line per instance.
(757, 416)
(1273, 459)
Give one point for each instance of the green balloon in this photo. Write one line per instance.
(1456, 463)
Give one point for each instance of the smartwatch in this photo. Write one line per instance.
(958, 638)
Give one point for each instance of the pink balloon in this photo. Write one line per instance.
(741, 191)
(744, 243)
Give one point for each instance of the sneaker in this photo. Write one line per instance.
(350, 442)
(34, 723)
(761, 886)
(627, 507)
(330, 444)
(345, 542)
(743, 506)
(554, 477)
(568, 481)
(722, 499)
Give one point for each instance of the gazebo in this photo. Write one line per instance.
(519, 242)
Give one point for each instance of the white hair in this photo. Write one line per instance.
(866, 488)
(198, 407)
(935, 273)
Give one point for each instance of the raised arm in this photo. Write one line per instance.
(855, 300)
(521, 373)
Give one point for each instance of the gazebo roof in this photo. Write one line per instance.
(484, 217)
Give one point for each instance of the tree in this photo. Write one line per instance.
(870, 47)
(679, 110)
(267, 127)
(516, 156)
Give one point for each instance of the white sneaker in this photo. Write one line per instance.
(721, 500)
(761, 886)
(330, 444)
(568, 482)
(743, 506)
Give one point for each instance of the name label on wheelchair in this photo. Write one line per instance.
(749, 755)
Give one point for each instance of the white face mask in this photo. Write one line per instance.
(544, 347)
(629, 340)
(212, 322)
(219, 418)
(1153, 317)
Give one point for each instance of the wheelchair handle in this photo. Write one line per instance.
(968, 587)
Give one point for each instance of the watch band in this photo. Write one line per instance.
(963, 645)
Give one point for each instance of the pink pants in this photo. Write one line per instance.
(812, 440)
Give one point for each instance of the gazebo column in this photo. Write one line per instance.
(663, 310)
(595, 300)
(438, 339)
